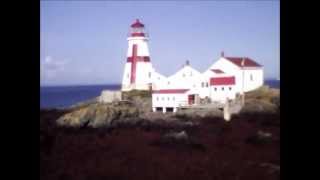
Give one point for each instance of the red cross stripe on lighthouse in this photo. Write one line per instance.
(133, 64)
(134, 59)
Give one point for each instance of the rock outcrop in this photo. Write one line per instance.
(136, 106)
(262, 100)
(98, 115)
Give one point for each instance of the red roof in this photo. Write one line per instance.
(222, 81)
(137, 24)
(218, 71)
(247, 61)
(171, 91)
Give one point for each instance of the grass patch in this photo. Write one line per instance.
(129, 95)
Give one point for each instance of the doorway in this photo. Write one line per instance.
(191, 99)
(169, 109)
(159, 109)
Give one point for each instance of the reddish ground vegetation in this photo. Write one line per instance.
(215, 150)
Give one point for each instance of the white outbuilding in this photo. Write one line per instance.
(248, 73)
(168, 100)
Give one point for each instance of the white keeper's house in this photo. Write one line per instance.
(224, 79)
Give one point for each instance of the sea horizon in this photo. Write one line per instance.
(62, 96)
(115, 84)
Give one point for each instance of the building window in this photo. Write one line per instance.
(202, 84)
(158, 78)
(230, 88)
(168, 98)
(222, 88)
(183, 75)
(173, 98)
(168, 82)
(190, 73)
(149, 74)
(128, 75)
(157, 98)
(251, 77)
(215, 89)
(207, 84)
(162, 98)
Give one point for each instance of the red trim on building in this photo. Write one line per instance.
(137, 24)
(171, 91)
(137, 34)
(222, 81)
(139, 59)
(218, 71)
(134, 64)
(247, 61)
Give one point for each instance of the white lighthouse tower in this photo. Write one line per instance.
(138, 71)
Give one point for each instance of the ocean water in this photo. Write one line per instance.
(273, 83)
(64, 96)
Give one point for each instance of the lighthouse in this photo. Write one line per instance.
(138, 70)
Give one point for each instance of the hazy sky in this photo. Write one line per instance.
(84, 42)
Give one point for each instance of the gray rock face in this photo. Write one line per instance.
(98, 115)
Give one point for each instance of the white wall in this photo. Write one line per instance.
(231, 69)
(255, 82)
(185, 78)
(169, 100)
(142, 42)
(220, 95)
(142, 72)
(143, 69)
(126, 76)
(158, 80)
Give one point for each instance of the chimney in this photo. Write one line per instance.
(242, 61)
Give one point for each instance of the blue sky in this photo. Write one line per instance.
(84, 42)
